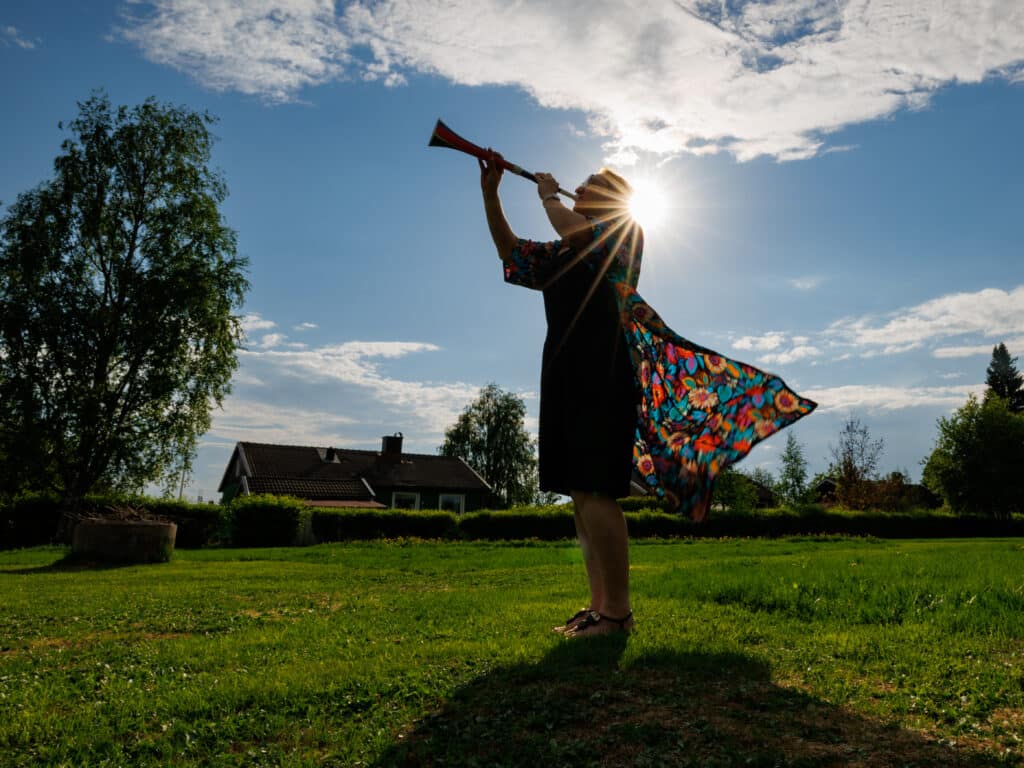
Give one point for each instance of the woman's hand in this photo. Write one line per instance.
(490, 172)
(546, 185)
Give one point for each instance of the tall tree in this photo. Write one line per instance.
(855, 462)
(119, 284)
(792, 485)
(490, 435)
(1004, 380)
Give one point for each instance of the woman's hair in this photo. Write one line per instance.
(613, 182)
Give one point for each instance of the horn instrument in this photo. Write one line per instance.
(443, 136)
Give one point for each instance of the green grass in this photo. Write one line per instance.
(765, 653)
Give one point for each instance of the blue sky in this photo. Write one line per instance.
(843, 182)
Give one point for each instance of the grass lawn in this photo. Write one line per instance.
(795, 652)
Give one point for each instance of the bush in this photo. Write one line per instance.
(198, 524)
(267, 521)
(547, 523)
(29, 520)
(345, 524)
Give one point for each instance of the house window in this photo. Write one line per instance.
(405, 500)
(453, 502)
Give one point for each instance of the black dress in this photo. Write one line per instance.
(588, 398)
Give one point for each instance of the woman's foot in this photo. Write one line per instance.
(594, 624)
(572, 621)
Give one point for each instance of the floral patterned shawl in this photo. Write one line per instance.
(699, 411)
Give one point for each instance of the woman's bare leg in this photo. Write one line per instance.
(604, 527)
(593, 576)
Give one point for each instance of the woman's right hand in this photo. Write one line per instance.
(491, 171)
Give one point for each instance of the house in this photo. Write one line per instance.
(344, 477)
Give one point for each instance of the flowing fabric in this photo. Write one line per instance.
(699, 411)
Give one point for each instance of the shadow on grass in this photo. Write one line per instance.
(71, 563)
(579, 706)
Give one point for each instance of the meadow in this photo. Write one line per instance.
(804, 652)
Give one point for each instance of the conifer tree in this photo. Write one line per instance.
(1004, 380)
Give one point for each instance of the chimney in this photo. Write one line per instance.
(391, 446)
(329, 455)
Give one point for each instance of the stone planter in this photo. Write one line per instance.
(124, 541)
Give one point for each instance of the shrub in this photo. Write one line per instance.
(198, 524)
(29, 520)
(345, 524)
(266, 521)
(547, 523)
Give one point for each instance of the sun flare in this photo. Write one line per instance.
(649, 204)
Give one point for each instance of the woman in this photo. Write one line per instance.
(620, 391)
(588, 397)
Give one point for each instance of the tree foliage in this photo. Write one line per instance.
(792, 484)
(977, 460)
(1004, 380)
(490, 435)
(118, 286)
(855, 463)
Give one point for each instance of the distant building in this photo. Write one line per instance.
(345, 477)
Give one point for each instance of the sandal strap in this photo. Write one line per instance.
(621, 622)
(577, 616)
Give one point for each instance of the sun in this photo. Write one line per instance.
(649, 205)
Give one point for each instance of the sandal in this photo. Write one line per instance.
(593, 618)
(572, 621)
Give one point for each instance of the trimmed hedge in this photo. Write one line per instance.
(258, 521)
(344, 524)
(263, 520)
(30, 520)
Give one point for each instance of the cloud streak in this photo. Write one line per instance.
(857, 397)
(752, 78)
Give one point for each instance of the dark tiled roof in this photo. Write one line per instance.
(302, 471)
(338, 488)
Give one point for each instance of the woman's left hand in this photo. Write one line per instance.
(546, 185)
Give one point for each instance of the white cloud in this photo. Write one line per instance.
(271, 340)
(808, 283)
(990, 313)
(243, 419)
(1014, 346)
(889, 398)
(253, 322)
(790, 355)
(305, 327)
(432, 406)
(769, 341)
(951, 376)
(267, 48)
(11, 35)
(773, 77)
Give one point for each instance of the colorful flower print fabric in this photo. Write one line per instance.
(699, 412)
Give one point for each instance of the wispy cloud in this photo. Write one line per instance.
(244, 419)
(808, 283)
(767, 341)
(752, 78)
(254, 322)
(13, 36)
(991, 313)
(431, 406)
(855, 397)
(305, 327)
(800, 352)
(984, 317)
(1015, 346)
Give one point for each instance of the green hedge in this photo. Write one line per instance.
(30, 519)
(344, 524)
(263, 520)
(255, 521)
